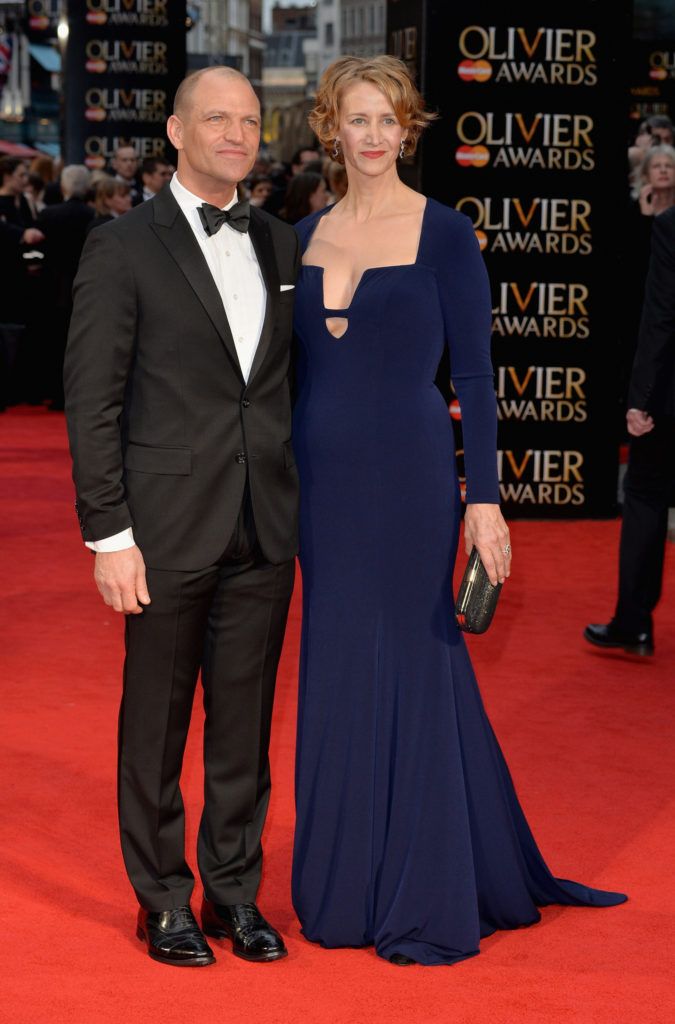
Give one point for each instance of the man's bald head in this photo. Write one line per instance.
(185, 92)
(216, 129)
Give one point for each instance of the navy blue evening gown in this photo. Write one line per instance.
(409, 833)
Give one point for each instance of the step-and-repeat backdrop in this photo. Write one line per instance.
(124, 60)
(531, 146)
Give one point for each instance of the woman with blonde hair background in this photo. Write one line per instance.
(112, 198)
(409, 833)
(656, 182)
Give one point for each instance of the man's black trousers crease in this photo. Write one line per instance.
(648, 491)
(227, 620)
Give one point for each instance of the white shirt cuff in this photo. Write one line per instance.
(120, 542)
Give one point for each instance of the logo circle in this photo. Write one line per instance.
(472, 156)
(474, 70)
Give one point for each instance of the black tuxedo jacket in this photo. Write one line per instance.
(652, 386)
(163, 429)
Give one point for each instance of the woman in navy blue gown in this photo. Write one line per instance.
(409, 833)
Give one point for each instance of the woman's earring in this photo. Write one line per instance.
(402, 149)
(336, 150)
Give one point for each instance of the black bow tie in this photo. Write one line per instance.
(237, 217)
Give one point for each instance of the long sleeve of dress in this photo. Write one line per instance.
(467, 311)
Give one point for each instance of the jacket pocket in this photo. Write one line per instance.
(144, 458)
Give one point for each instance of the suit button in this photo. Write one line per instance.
(240, 457)
(246, 403)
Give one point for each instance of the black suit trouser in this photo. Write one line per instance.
(227, 620)
(648, 491)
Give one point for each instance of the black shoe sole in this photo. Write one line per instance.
(254, 958)
(644, 650)
(198, 961)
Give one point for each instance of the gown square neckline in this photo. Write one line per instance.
(386, 266)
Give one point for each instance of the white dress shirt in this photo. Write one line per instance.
(231, 258)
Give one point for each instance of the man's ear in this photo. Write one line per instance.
(174, 129)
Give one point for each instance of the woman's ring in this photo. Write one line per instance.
(507, 550)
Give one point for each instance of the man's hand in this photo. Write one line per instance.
(484, 526)
(32, 236)
(638, 422)
(120, 578)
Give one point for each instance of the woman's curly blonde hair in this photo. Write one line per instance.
(391, 77)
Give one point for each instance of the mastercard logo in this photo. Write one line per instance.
(482, 239)
(95, 114)
(474, 71)
(97, 17)
(472, 156)
(658, 73)
(96, 66)
(455, 410)
(38, 22)
(94, 163)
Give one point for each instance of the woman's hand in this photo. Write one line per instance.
(484, 527)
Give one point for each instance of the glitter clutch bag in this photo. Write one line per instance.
(477, 598)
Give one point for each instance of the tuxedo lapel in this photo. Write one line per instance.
(264, 249)
(173, 230)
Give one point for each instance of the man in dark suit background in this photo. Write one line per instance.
(650, 478)
(64, 226)
(178, 407)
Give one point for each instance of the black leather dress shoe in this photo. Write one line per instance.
(401, 960)
(253, 938)
(174, 937)
(610, 636)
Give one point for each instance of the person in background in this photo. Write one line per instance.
(35, 193)
(125, 166)
(306, 194)
(656, 183)
(154, 174)
(18, 233)
(657, 130)
(661, 129)
(260, 190)
(44, 165)
(298, 165)
(112, 198)
(650, 477)
(262, 166)
(49, 170)
(303, 156)
(336, 176)
(64, 226)
(654, 192)
(14, 207)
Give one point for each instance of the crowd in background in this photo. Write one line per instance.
(47, 211)
(651, 166)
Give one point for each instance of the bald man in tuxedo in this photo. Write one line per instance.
(178, 408)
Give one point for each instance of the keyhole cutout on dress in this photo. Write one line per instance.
(337, 326)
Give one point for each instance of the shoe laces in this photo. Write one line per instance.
(182, 917)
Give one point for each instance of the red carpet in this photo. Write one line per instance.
(589, 739)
